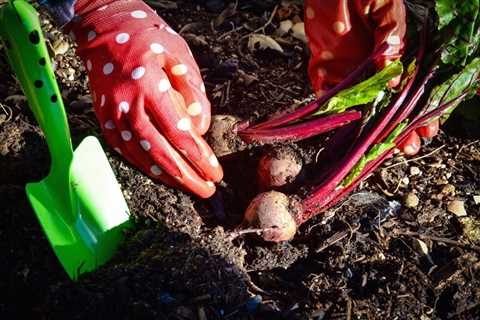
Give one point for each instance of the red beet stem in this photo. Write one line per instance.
(300, 131)
(407, 110)
(422, 120)
(339, 193)
(313, 106)
(324, 193)
(410, 106)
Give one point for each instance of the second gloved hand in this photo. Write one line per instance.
(343, 33)
(149, 96)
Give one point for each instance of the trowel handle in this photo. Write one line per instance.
(27, 54)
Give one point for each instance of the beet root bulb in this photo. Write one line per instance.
(278, 168)
(222, 135)
(274, 213)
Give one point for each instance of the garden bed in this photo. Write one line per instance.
(394, 249)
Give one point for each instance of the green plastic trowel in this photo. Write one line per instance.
(79, 204)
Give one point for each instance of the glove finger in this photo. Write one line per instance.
(117, 134)
(388, 19)
(156, 146)
(185, 78)
(338, 41)
(411, 145)
(168, 110)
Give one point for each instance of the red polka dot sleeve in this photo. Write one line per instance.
(343, 33)
(149, 96)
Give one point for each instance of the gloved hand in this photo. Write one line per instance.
(148, 93)
(343, 33)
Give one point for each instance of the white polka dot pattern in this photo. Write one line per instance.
(157, 48)
(164, 85)
(126, 135)
(155, 170)
(139, 14)
(179, 70)
(124, 107)
(194, 109)
(138, 73)
(91, 35)
(184, 124)
(122, 38)
(145, 145)
(109, 125)
(108, 68)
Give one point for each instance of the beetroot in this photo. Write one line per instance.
(275, 213)
(222, 135)
(417, 106)
(278, 168)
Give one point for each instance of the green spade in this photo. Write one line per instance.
(79, 204)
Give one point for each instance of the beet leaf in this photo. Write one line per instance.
(362, 93)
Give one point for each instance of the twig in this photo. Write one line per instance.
(8, 112)
(262, 28)
(417, 158)
(439, 239)
(222, 36)
(337, 237)
(235, 234)
(349, 308)
(254, 287)
(465, 146)
(466, 309)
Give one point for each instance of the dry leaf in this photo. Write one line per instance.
(457, 207)
(476, 199)
(264, 42)
(189, 27)
(421, 246)
(246, 78)
(195, 40)
(284, 27)
(298, 31)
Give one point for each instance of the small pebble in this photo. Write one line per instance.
(457, 207)
(411, 200)
(405, 181)
(60, 47)
(448, 189)
(476, 199)
(415, 171)
(471, 228)
(421, 246)
(71, 74)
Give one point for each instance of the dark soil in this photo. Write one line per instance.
(371, 257)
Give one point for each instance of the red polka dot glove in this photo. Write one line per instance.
(149, 96)
(343, 33)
